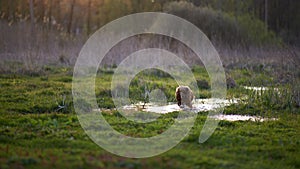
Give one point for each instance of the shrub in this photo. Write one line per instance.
(223, 27)
(230, 82)
(203, 84)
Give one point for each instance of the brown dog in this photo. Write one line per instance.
(184, 96)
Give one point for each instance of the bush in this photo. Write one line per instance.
(223, 27)
(230, 82)
(203, 84)
(255, 31)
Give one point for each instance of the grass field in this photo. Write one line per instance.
(39, 128)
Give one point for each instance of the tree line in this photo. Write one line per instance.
(86, 16)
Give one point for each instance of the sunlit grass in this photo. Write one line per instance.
(35, 133)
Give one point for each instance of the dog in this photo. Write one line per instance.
(184, 96)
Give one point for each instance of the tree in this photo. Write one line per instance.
(266, 13)
(50, 14)
(31, 15)
(71, 16)
(89, 17)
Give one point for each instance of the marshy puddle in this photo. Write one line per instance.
(198, 105)
(256, 88)
(241, 118)
(260, 89)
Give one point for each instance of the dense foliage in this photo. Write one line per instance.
(85, 16)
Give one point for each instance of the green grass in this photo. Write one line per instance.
(35, 134)
(57, 140)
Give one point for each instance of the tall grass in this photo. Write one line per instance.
(24, 51)
(276, 99)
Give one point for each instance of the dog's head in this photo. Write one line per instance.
(178, 96)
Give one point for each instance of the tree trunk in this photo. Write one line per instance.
(50, 14)
(58, 12)
(31, 15)
(98, 5)
(11, 15)
(266, 13)
(71, 17)
(23, 9)
(89, 17)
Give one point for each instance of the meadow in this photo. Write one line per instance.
(39, 127)
(258, 44)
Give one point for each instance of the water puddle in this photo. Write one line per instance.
(241, 118)
(260, 89)
(256, 88)
(198, 105)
